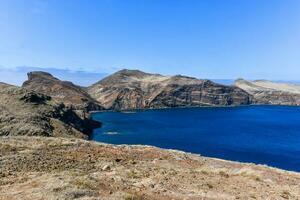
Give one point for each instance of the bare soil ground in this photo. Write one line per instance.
(64, 168)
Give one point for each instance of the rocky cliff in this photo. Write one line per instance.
(267, 92)
(69, 168)
(61, 91)
(133, 89)
(25, 112)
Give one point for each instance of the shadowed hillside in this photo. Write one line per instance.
(25, 112)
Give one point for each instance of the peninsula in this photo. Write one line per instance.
(45, 155)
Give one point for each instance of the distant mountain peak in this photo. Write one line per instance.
(268, 92)
(40, 74)
(134, 89)
(131, 73)
(62, 91)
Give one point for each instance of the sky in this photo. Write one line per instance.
(82, 40)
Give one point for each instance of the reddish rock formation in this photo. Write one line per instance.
(133, 89)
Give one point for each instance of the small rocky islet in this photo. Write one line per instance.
(44, 154)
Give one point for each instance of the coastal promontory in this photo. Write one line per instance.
(271, 93)
(134, 89)
(43, 156)
(26, 112)
(66, 92)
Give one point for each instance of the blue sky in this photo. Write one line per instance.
(217, 39)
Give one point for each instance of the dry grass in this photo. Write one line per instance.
(57, 168)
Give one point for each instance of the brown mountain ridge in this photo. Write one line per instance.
(271, 93)
(62, 91)
(26, 112)
(134, 89)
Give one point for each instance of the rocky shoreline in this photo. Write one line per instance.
(43, 156)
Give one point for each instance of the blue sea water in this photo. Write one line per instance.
(260, 134)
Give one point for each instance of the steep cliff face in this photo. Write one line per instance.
(267, 92)
(24, 112)
(133, 89)
(61, 91)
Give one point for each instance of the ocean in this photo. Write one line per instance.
(258, 134)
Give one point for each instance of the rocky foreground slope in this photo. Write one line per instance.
(57, 168)
(267, 92)
(25, 112)
(61, 91)
(133, 89)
